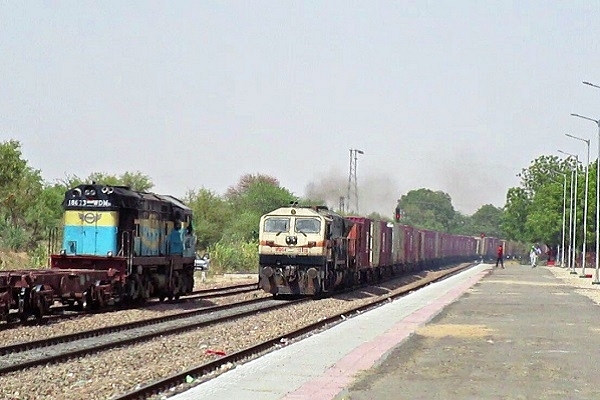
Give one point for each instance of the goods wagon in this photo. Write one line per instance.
(345, 251)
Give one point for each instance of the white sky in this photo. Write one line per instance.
(455, 96)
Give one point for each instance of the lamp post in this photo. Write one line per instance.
(562, 246)
(573, 214)
(596, 280)
(585, 208)
(561, 252)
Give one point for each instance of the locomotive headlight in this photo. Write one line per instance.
(109, 254)
(63, 252)
(267, 271)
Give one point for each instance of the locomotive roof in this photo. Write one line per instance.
(124, 195)
(305, 211)
(175, 201)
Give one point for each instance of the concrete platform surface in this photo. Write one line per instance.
(514, 333)
(519, 334)
(320, 366)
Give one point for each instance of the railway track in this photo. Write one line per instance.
(206, 371)
(203, 294)
(61, 348)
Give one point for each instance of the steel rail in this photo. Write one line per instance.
(200, 372)
(64, 353)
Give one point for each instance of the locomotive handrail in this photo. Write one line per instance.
(125, 250)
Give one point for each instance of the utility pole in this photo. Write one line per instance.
(352, 182)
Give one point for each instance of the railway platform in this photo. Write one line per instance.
(514, 333)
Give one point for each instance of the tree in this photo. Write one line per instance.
(542, 171)
(515, 215)
(135, 180)
(533, 212)
(253, 196)
(212, 214)
(461, 225)
(19, 183)
(427, 209)
(487, 220)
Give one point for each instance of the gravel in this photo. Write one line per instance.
(117, 371)
(95, 321)
(584, 285)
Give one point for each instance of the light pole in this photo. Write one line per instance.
(585, 208)
(596, 280)
(562, 246)
(561, 252)
(573, 214)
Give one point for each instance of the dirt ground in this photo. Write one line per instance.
(216, 281)
(11, 260)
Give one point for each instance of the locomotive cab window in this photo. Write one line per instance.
(277, 225)
(308, 225)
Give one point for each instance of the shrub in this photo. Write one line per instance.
(234, 257)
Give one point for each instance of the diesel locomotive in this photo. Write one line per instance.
(118, 245)
(303, 250)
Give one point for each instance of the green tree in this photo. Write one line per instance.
(515, 215)
(19, 183)
(212, 214)
(541, 172)
(135, 180)
(427, 209)
(21, 188)
(487, 219)
(461, 225)
(253, 196)
(533, 211)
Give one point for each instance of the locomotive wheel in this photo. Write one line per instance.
(39, 309)
(24, 307)
(85, 301)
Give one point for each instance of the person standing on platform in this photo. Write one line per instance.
(500, 257)
(533, 256)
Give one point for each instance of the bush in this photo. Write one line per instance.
(13, 237)
(234, 257)
(39, 256)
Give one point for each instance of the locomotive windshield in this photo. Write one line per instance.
(308, 225)
(277, 225)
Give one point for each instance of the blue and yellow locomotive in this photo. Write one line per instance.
(144, 241)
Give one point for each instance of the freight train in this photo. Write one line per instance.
(118, 245)
(313, 250)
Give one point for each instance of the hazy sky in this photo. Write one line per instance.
(456, 96)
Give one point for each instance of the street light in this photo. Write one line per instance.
(596, 280)
(561, 252)
(562, 246)
(573, 214)
(562, 249)
(585, 209)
